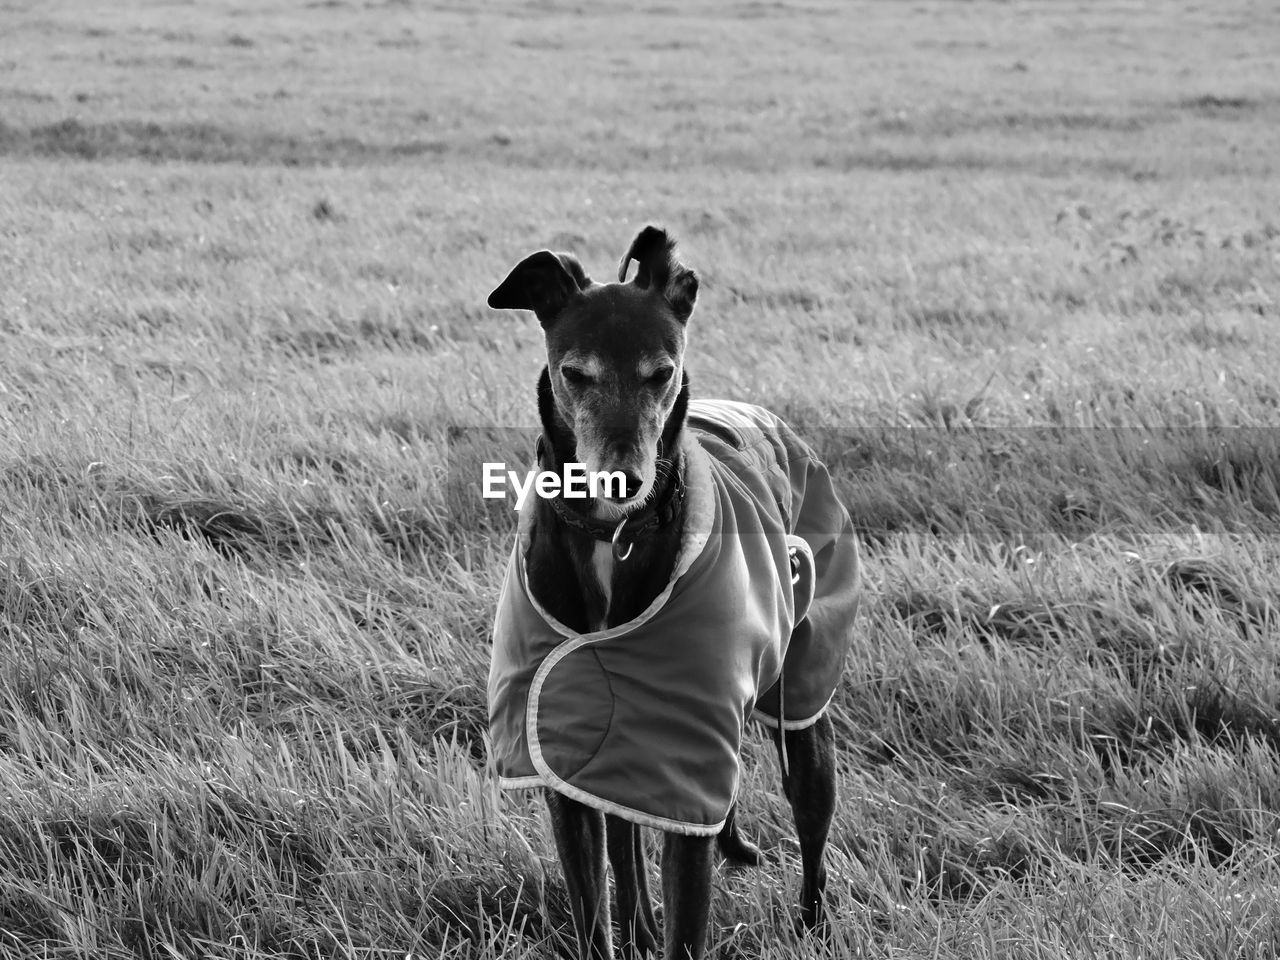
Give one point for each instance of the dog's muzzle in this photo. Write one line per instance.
(659, 511)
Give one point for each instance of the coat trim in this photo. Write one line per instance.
(521, 783)
(759, 716)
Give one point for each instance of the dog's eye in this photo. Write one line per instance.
(574, 375)
(661, 375)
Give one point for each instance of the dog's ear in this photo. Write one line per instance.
(656, 266)
(542, 282)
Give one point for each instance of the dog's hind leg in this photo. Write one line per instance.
(686, 896)
(580, 843)
(810, 785)
(631, 888)
(734, 847)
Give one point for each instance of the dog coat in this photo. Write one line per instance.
(645, 720)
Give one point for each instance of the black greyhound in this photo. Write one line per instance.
(614, 397)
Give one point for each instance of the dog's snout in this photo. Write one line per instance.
(622, 448)
(632, 482)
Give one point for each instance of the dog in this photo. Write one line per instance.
(637, 632)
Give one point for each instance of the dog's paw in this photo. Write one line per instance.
(644, 944)
(812, 922)
(739, 851)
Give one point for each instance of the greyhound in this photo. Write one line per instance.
(614, 396)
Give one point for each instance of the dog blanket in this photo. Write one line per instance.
(645, 720)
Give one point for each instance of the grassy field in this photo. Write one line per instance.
(1014, 267)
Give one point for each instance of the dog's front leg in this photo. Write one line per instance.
(580, 843)
(810, 786)
(686, 895)
(631, 888)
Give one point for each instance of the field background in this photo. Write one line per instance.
(1014, 267)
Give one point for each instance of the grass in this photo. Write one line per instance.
(1013, 267)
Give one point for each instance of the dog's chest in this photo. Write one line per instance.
(602, 566)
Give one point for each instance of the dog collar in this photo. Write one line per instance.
(657, 512)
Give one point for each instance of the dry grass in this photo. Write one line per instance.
(1014, 267)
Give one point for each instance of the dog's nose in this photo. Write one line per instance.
(631, 486)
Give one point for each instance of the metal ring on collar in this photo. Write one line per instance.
(617, 548)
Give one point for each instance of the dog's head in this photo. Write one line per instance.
(614, 387)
